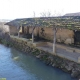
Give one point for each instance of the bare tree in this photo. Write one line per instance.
(46, 14)
(19, 26)
(33, 28)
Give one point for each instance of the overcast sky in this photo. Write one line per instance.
(11, 9)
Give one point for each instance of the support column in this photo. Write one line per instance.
(54, 41)
(18, 32)
(33, 35)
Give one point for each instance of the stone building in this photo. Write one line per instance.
(63, 35)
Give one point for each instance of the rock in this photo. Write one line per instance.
(70, 66)
(38, 56)
(75, 73)
(69, 41)
(58, 40)
(53, 64)
(16, 58)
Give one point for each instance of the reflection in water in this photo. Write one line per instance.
(17, 66)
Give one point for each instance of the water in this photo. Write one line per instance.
(17, 66)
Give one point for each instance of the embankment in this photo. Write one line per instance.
(52, 60)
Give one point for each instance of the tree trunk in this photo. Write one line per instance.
(18, 31)
(54, 41)
(33, 35)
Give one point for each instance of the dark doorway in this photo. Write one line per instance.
(77, 37)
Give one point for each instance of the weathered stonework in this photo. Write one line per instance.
(69, 41)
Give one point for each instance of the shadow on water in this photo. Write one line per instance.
(17, 66)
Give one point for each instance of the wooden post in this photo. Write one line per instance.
(54, 41)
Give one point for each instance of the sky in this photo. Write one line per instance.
(12, 9)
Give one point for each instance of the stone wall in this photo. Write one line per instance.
(52, 60)
(13, 30)
(63, 36)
